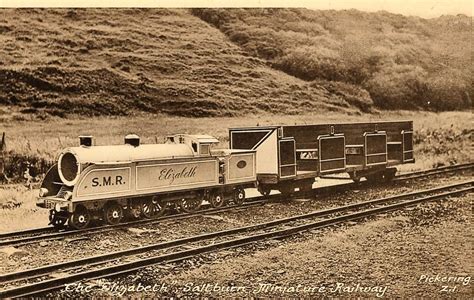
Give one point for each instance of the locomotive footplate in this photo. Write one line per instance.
(52, 203)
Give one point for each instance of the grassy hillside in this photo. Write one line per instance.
(127, 61)
(403, 62)
(225, 62)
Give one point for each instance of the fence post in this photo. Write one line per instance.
(3, 150)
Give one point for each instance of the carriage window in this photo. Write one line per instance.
(204, 149)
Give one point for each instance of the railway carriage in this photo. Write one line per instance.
(107, 182)
(290, 157)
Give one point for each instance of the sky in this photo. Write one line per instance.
(421, 8)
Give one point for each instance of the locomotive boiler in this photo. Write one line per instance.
(141, 180)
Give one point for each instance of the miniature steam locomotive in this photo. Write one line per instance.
(142, 180)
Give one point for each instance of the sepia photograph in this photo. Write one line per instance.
(254, 149)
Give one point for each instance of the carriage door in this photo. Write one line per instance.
(332, 153)
(375, 148)
(287, 157)
(407, 146)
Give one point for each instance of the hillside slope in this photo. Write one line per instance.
(128, 61)
(403, 62)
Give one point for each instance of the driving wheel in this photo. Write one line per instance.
(190, 205)
(113, 213)
(153, 208)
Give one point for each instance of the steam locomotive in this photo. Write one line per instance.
(142, 180)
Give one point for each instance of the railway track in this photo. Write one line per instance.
(436, 171)
(53, 277)
(24, 237)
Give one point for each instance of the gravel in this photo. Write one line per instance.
(385, 256)
(395, 253)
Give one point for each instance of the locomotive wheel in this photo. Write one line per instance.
(57, 219)
(190, 205)
(239, 196)
(264, 190)
(135, 210)
(80, 218)
(113, 213)
(153, 208)
(217, 200)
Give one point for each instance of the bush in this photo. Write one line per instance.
(448, 91)
(398, 87)
(404, 62)
(309, 63)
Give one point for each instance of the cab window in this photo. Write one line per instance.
(204, 149)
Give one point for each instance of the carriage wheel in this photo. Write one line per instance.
(190, 205)
(80, 218)
(153, 208)
(264, 190)
(389, 174)
(375, 178)
(217, 200)
(57, 219)
(286, 190)
(239, 196)
(356, 179)
(306, 187)
(113, 213)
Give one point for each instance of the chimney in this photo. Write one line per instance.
(86, 140)
(132, 139)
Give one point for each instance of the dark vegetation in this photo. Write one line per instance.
(16, 164)
(402, 62)
(125, 61)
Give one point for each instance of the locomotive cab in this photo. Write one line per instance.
(201, 144)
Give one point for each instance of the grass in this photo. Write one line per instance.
(440, 134)
(98, 62)
(18, 209)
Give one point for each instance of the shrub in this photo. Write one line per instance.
(398, 87)
(310, 63)
(404, 62)
(448, 91)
